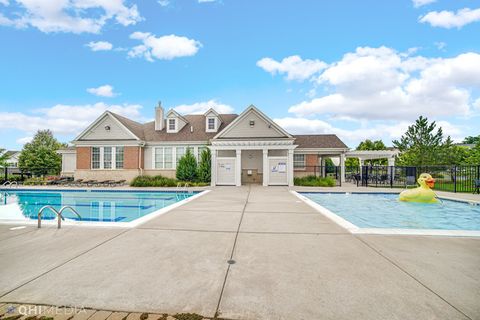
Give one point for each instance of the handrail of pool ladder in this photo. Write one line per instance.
(10, 183)
(59, 216)
(71, 209)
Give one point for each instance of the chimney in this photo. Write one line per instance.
(159, 123)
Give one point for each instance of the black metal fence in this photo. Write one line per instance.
(19, 175)
(447, 178)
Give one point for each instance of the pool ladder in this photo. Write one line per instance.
(10, 184)
(58, 213)
(182, 192)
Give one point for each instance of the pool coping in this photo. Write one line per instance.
(354, 229)
(97, 224)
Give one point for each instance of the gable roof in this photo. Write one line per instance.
(178, 115)
(324, 141)
(11, 153)
(252, 108)
(126, 123)
(134, 127)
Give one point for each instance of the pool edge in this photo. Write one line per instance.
(352, 228)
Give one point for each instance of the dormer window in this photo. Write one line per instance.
(211, 123)
(172, 125)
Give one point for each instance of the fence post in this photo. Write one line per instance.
(455, 179)
(6, 173)
(391, 176)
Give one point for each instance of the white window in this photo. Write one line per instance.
(211, 123)
(95, 158)
(299, 161)
(200, 151)
(168, 157)
(172, 124)
(119, 154)
(107, 158)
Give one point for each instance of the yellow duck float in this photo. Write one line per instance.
(421, 194)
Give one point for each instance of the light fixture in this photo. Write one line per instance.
(107, 128)
(252, 123)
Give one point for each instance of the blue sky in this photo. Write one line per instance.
(360, 69)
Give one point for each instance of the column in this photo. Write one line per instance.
(360, 163)
(290, 168)
(213, 168)
(391, 168)
(238, 168)
(265, 168)
(323, 168)
(342, 168)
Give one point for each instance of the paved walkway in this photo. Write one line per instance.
(286, 262)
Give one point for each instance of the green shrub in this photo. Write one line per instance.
(187, 167)
(153, 181)
(313, 181)
(35, 181)
(204, 167)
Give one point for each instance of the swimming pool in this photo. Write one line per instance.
(374, 210)
(101, 207)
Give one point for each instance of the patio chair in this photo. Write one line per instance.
(476, 186)
(89, 183)
(410, 181)
(75, 183)
(119, 183)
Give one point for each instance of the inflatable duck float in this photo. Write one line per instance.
(421, 194)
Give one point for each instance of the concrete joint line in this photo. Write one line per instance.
(411, 276)
(64, 263)
(233, 251)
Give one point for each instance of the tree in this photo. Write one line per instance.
(40, 156)
(473, 157)
(472, 140)
(3, 157)
(187, 167)
(368, 145)
(205, 166)
(421, 144)
(450, 154)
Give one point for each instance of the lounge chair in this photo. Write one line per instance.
(119, 183)
(75, 183)
(104, 183)
(89, 183)
(476, 186)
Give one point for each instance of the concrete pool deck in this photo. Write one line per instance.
(290, 262)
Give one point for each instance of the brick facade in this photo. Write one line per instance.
(84, 157)
(311, 160)
(131, 158)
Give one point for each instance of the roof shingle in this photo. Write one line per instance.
(319, 141)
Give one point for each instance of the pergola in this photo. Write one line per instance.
(363, 155)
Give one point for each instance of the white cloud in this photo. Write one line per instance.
(440, 45)
(4, 2)
(202, 107)
(70, 16)
(99, 45)
(420, 3)
(380, 83)
(24, 140)
(163, 3)
(450, 19)
(476, 104)
(64, 119)
(164, 47)
(102, 91)
(294, 67)
(387, 130)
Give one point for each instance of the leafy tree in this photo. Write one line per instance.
(421, 144)
(205, 166)
(472, 140)
(40, 156)
(451, 154)
(473, 156)
(3, 157)
(187, 167)
(368, 145)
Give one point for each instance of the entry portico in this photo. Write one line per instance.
(252, 148)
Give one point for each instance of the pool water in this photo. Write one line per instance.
(385, 211)
(97, 206)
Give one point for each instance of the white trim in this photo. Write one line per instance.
(175, 130)
(215, 124)
(101, 117)
(102, 158)
(244, 114)
(386, 231)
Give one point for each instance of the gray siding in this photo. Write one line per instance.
(116, 132)
(261, 128)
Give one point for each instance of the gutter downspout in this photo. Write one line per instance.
(142, 144)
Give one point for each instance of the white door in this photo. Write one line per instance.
(277, 171)
(226, 171)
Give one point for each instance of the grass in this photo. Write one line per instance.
(313, 181)
(160, 181)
